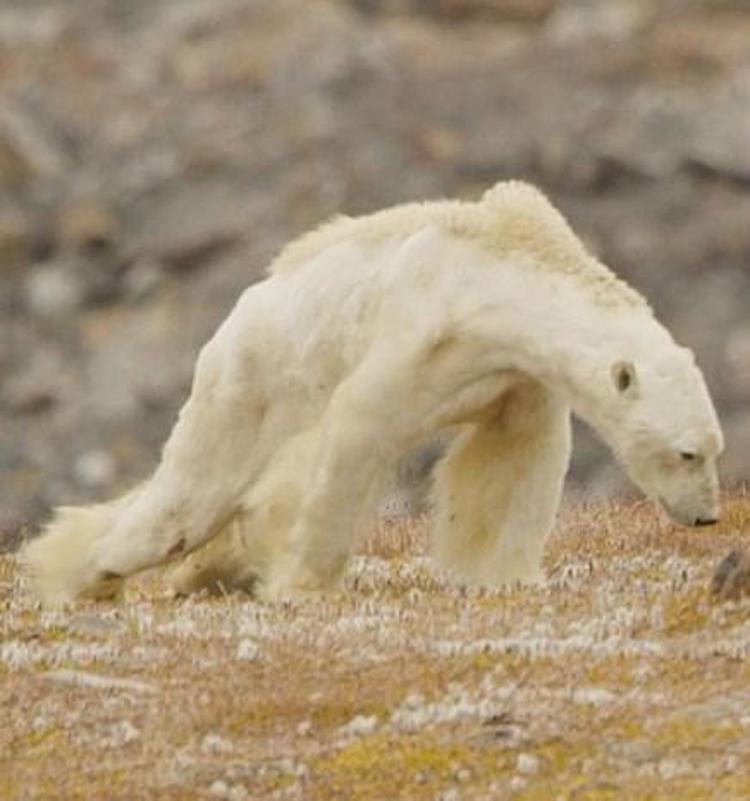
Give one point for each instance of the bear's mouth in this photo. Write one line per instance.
(685, 519)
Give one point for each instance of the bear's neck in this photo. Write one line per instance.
(563, 336)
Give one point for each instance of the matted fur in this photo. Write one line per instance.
(512, 217)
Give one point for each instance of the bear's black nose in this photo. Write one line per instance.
(706, 521)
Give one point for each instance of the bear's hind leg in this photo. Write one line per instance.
(246, 551)
(207, 464)
(222, 564)
(58, 561)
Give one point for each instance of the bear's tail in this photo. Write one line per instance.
(60, 562)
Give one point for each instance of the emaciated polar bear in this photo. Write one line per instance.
(372, 335)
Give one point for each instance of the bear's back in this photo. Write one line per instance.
(512, 217)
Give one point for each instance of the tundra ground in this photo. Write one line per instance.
(620, 679)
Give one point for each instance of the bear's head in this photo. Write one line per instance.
(665, 431)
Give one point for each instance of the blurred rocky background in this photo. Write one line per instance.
(155, 154)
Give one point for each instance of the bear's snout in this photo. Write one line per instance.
(708, 515)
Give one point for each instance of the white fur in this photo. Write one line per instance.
(504, 475)
(370, 336)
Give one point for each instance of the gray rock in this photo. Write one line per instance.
(53, 290)
(96, 469)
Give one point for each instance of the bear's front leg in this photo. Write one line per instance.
(498, 489)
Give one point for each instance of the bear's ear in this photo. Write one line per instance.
(624, 378)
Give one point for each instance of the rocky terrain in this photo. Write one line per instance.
(155, 154)
(624, 678)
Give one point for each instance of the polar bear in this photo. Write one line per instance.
(374, 334)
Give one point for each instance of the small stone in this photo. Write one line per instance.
(573, 23)
(414, 596)
(462, 775)
(248, 651)
(731, 763)
(359, 726)
(731, 580)
(128, 732)
(143, 278)
(413, 700)
(95, 469)
(674, 768)
(51, 291)
(121, 733)
(527, 764)
(219, 789)
(216, 744)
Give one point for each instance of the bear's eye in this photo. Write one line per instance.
(624, 379)
(688, 456)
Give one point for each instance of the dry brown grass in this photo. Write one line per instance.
(620, 679)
